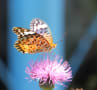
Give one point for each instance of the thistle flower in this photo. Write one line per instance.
(49, 72)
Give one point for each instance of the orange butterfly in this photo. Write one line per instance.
(37, 39)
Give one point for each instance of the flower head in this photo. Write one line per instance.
(50, 72)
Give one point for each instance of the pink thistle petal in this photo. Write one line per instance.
(50, 71)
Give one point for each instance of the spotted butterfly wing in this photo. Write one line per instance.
(21, 31)
(34, 40)
(41, 28)
(30, 42)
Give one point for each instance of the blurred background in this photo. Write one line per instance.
(3, 43)
(79, 23)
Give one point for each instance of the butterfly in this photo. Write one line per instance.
(34, 40)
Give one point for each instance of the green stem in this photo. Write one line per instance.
(47, 88)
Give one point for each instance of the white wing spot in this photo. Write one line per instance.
(26, 33)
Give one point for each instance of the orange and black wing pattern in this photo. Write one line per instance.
(33, 43)
(34, 40)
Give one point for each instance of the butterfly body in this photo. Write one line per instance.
(30, 41)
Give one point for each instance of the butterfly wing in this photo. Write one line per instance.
(28, 40)
(21, 31)
(32, 43)
(41, 28)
